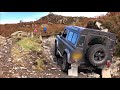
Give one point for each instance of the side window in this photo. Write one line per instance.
(70, 34)
(74, 39)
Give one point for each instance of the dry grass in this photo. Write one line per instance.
(20, 53)
(29, 44)
(39, 65)
(7, 30)
(16, 52)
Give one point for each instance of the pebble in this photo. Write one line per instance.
(18, 59)
(48, 69)
(31, 62)
(5, 44)
(82, 73)
(24, 76)
(59, 70)
(16, 75)
(10, 70)
(0, 56)
(9, 59)
(22, 68)
(96, 75)
(49, 74)
(5, 51)
(53, 68)
(46, 47)
(15, 68)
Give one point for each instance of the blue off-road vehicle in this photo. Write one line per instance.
(94, 48)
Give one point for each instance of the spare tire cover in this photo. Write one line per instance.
(97, 55)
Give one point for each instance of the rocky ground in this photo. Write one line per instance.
(24, 64)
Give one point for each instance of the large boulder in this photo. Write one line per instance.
(100, 26)
(96, 25)
(20, 34)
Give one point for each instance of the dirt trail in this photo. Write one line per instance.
(5, 58)
(10, 69)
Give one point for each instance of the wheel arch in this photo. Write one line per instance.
(66, 51)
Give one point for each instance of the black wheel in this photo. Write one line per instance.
(97, 55)
(65, 65)
(58, 58)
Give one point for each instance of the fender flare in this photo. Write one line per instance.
(68, 55)
(56, 41)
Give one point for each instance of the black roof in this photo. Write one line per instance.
(79, 29)
(93, 31)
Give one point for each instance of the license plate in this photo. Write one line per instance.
(106, 73)
(73, 71)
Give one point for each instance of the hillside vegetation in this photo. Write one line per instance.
(56, 23)
(112, 22)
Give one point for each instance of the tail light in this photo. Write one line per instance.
(108, 63)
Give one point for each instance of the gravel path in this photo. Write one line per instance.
(23, 68)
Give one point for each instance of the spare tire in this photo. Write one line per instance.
(97, 55)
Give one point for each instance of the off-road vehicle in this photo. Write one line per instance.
(94, 48)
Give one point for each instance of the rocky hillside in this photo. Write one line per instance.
(58, 19)
(54, 23)
(7, 29)
(112, 22)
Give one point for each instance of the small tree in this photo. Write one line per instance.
(21, 21)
